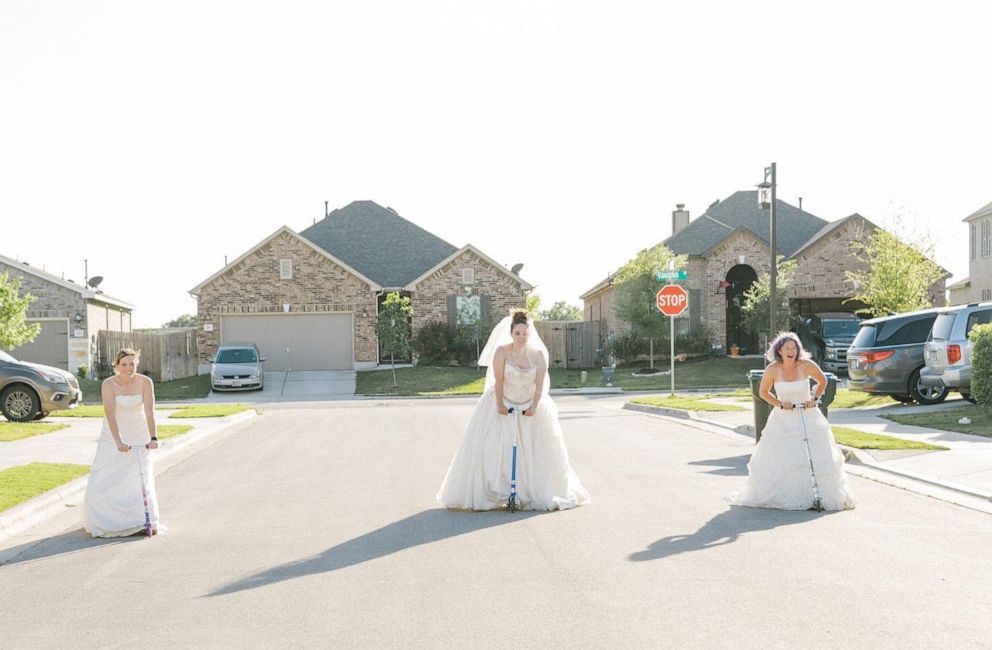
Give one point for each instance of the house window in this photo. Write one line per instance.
(986, 238)
(468, 276)
(285, 269)
(469, 310)
(973, 239)
(986, 294)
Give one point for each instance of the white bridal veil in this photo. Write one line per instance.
(537, 352)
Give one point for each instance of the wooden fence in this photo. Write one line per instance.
(165, 354)
(571, 344)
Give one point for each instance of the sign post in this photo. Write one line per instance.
(672, 300)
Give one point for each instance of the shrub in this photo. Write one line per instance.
(981, 364)
(694, 343)
(433, 344)
(627, 346)
(82, 371)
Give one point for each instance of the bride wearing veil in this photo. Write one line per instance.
(517, 377)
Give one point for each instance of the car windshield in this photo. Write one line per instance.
(237, 355)
(942, 327)
(840, 327)
(6, 357)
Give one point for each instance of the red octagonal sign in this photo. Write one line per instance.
(672, 300)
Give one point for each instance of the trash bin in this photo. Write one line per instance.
(763, 409)
(606, 379)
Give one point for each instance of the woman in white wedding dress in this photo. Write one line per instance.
(114, 504)
(779, 471)
(517, 377)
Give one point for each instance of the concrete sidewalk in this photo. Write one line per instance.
(962, 474)
(77, 445)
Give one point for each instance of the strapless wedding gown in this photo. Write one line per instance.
(779, 472)
(113, 505)
(479, 475)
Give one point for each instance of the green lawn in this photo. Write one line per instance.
(18, 484)
(686, 402)
(10, 431)
(717, 372)
(180, 389)
(166, 431)
(981, 420)
(849, 399)
(194, 411)
(863, 440)
(209, 410)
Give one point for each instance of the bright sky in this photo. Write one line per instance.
(153, 139)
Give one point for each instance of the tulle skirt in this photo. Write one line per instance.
(479, 475)
(779, 473)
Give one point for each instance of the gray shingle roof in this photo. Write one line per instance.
(378, 243)
(794, 227)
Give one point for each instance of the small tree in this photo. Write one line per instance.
(756, 310)
(186, 320)
(532, 305)
(636, 290)
(981, 364)
(392, 327)
(561, 310)
(14, 330)
(899, 275)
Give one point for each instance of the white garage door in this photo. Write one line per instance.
(50, 347)
(295, 341)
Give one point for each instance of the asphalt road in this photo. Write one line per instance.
(317, 526)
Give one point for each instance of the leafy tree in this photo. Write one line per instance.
(532, 305)
(561, 310)
(899, 275)
(186, 320)
(392, 327)
(636, 289)
(756, 313)
(14, 331)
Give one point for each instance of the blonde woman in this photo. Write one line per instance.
(121, 487)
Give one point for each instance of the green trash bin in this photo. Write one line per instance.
(763, 409)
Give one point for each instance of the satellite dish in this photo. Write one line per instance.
(515, 270)
(95, 281)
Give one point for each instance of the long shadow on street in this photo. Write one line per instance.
(421, 528)
(75, 541)
(725, 528)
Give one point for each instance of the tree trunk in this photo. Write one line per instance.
(392, 360)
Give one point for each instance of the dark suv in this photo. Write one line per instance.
(887, 357)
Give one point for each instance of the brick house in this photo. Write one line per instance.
(309, 299)
(70, 316)
(727, 247)
(977, 287)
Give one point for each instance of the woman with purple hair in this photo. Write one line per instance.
(779, 473)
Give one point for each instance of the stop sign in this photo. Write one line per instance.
(672, 300)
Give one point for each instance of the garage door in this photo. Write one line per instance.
(295, 341)
(50, 347)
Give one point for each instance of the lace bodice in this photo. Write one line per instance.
(518, 385)
(128, 402)
(793, 391)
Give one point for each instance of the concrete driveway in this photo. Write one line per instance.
(295, 385)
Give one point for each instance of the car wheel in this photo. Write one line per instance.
(19, 403)
(925, 395)
(40, 415)
(902, 399)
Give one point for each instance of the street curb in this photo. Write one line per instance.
(68, 495)
(852, 456)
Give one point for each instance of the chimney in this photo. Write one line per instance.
(325, 209)
(680, 218)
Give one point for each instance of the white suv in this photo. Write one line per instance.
(947, 352)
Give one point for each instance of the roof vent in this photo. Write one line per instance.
(393, 211)
(712, 204)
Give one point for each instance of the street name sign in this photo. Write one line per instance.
(668, 276)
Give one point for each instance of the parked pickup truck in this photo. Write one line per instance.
(828, 336)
